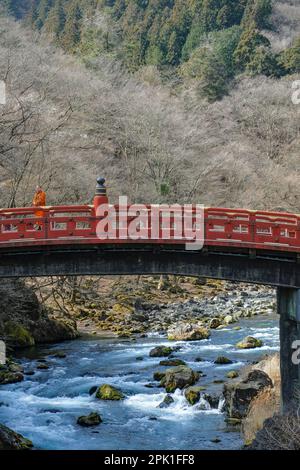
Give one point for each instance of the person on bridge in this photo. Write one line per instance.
(39, 200)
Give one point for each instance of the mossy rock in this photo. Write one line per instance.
(158, 376)
(222, 360)
(193, 394)
(172, 363)
(233, 374)
(7, 377)
(108, 392)
(120, 309)
(250, 343)
(42, 367)
(18, 335)
(167, 401)
(10, 440)
(161, 351)
(179, 377)
(214, 323)
(93, 419)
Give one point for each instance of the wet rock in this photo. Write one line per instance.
(216, 440)
(93, 390)
(228, 320)
(238, 395)
(10, 440)
(188, 332)
(172, 363)
(215, 323)
(161, 351)
(11, 373)
(139, 358)
(108, 392)
(158, 376)
(168, 400)
(199, 359)
(178, 377)
(249, 343)
(193, 394)
(212, 400)
(233, 374)
(7, 377)
(43, 367)
(93, 419)
(151, 385)
(60, 355)
(222, 360)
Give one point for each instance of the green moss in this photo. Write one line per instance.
(193, 394)
(107, 392)
(233, 374)
(18, 335)
(250, 343)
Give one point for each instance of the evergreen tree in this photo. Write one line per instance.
(246, 49)
(72, 29)
(290, 58)
(264, 62)
(257, 12)
(56, 19)
(42, 12)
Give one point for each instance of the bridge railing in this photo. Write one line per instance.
(222, 227)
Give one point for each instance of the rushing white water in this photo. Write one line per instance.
(45, 407)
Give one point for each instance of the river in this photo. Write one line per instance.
(45, 406)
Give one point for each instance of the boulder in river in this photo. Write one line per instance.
(222, 360)
(250, 343)
(188, 332)
(178, 377)
(10, 373)
(161, 351)
(108, 392)
(10, 440)
(167, 401)
(228, 320)
(233, 374)
(193, 394)
(158, 376)
(238, 395)
(215, 323)
(172, 363)
(93, 419)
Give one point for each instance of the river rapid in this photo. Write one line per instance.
(46, 405)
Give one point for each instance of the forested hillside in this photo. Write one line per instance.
(73, 113)
(204, 41)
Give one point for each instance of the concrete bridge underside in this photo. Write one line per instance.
(281, 270)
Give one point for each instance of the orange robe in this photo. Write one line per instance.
(39, 200)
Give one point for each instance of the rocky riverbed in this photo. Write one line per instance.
(159, 384)
(214, 306)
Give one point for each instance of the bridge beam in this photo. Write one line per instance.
(288, 301)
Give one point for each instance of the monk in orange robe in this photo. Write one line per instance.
(39, 200)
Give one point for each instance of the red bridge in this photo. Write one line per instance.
(239, 245)
(227, 228)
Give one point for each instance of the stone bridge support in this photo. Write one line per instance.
(288, 301)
